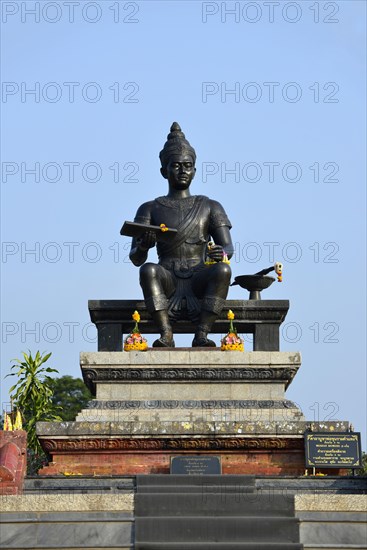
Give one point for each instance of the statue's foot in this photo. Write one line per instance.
(164, 342)
(203, 342)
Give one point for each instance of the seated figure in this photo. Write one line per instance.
(173, 287)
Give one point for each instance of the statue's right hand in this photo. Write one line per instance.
(146, 241)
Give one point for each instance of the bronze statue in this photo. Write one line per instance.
(173, 287)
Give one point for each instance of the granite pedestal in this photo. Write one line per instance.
(151, 406)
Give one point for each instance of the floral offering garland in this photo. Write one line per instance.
(135, 341)
(225, 258)
(232, 342)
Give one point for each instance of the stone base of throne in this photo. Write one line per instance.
(133, 456)
(155, 405)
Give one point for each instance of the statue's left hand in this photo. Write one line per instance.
(216, 252)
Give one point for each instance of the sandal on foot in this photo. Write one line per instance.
(203, 343)
(163, 342)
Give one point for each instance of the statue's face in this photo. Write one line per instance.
(179, 171)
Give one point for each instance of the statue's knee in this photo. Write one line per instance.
(224, 271)
(148, 272)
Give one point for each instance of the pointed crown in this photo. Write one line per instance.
(176, 144)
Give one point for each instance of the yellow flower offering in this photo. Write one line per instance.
(135, 341)
(232, 342)
(163, 227)
(233, 347)
(224, 259)
(136, 316)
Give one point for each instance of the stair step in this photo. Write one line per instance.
(213, 504)
(205, 488)
(217, 529)
(77, 484)
(61, 489)
(217, 546)
(218, 480)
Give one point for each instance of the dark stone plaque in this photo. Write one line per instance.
(333, 450)
(196, 465)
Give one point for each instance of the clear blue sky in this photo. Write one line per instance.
(275, 93)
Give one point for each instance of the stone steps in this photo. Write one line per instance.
(194, 489)
(309, 484)
(219, 480)
(225, 504)
(99, 512)
(335, 547)
(266, 485)
(216, 528)
(224, 512)
(219, 546)
(78, 485)
(270, 485)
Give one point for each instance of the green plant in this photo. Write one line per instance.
(71, 396)
(32, 395)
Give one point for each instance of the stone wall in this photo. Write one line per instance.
(67, 521)
(332, 521)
